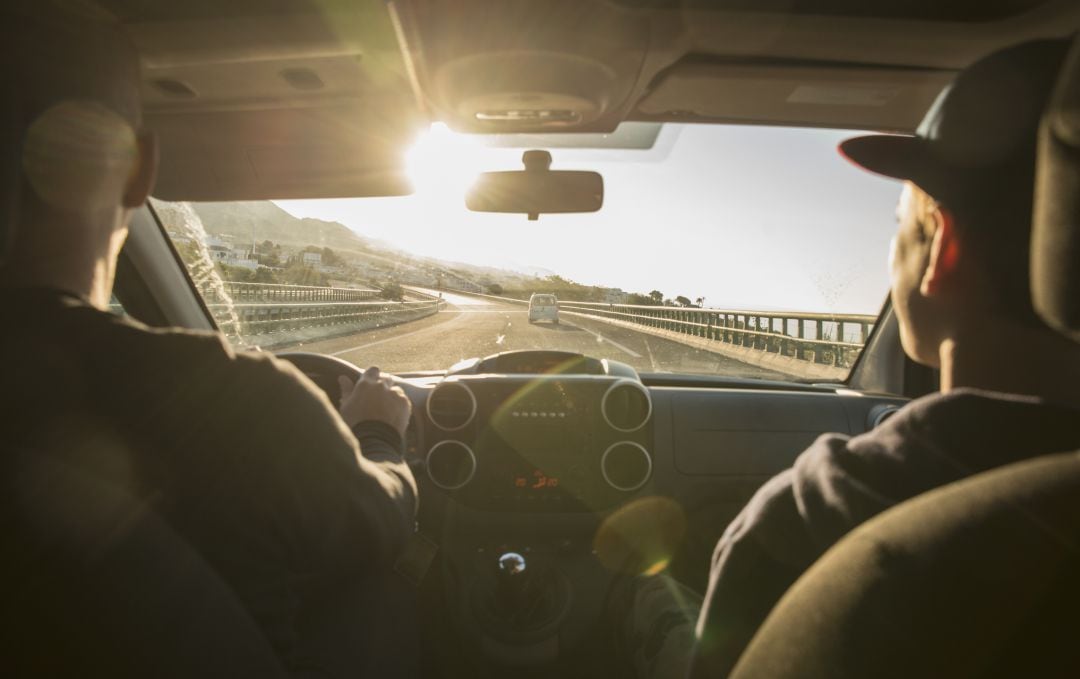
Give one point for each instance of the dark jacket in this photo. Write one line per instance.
(840, 482)
(239, 452)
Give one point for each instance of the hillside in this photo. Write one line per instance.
(266, 221)
(370, 260)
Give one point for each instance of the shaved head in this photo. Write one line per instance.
(75, 162)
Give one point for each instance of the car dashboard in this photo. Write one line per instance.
(545, 476)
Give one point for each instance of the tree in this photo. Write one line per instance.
(392, 291)
(298, 274)
(700, 301)
(264, 275)
(495, 289)
(682, 300)
(331, 258)
(656, 296)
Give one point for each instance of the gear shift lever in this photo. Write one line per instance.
(513, 585)
(527, 595)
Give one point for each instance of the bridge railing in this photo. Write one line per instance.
(275, 292)
(833, 339)
(244, 310)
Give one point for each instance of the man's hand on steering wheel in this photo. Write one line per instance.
(374, 397)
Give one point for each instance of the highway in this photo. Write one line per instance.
(474, 327)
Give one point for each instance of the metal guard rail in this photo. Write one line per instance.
(253, 319)
(277, 292)
(770, 331)
(258, 308)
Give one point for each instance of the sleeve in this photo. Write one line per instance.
(784, 528)
(337, 508)
(379, 441)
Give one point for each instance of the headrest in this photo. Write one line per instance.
(1055, 244)
(10, 166)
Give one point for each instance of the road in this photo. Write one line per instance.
(475, 327)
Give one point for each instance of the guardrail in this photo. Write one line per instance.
(818, 338)
(243, 310)
(275, 292)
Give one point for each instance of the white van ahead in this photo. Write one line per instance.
(543, 308)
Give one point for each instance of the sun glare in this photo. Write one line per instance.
(443, 164)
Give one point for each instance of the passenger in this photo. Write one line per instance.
(1010, 387)
(239, 452)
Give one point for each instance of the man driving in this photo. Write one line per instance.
(1010, 387)
(240, 453)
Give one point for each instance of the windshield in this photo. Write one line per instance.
(720, 250)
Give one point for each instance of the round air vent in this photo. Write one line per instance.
(626, 406)
(626, 466)
(451, 464)
(451, 406)
(879, 414)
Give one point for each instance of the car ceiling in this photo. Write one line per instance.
(256, 99)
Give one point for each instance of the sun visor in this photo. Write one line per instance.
(294, 153)
(305, 105)
(838, 97)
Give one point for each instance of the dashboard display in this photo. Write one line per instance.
(538, 480)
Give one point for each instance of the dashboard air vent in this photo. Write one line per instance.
(451, 406)
(626, 406)
(626, 466)
(879, 413)
(451, 464)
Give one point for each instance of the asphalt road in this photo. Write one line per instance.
(474, 327)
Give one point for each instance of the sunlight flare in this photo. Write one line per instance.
(443, 164)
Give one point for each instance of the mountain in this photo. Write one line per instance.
(262, 220)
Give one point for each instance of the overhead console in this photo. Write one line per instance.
(520, 66)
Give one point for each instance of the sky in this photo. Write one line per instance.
(762, 218)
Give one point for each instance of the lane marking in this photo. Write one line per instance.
(397, 337)
(648, 350)
(606, 340)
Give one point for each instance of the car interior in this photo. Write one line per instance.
(545, 474)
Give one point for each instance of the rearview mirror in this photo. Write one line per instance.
(536, 190)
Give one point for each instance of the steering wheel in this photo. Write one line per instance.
(324, 371)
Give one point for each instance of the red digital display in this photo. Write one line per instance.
(537, 481)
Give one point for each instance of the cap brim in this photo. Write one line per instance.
(889, 155)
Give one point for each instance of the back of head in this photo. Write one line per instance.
(993, 206)
(70, 109)
(974, 154)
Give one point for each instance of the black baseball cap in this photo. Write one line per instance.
(980, 133)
